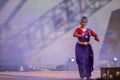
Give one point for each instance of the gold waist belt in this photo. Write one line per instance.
(83, 43)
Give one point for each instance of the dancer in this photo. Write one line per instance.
(83, 50)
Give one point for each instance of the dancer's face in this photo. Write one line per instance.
(83, 23)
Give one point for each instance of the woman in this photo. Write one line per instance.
(83, 49)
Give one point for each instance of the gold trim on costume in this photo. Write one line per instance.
(83, 43)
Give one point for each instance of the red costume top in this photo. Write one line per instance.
(80, 31)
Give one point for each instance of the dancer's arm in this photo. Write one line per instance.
(77, 33)
(94, 35)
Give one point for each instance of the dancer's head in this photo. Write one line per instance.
(84, 21)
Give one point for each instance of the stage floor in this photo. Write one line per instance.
(45, 75)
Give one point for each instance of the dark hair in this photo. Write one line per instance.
(84, 17)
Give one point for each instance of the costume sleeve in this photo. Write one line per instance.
(78, 31)
(93, 33)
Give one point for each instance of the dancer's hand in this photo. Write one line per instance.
(97, 39)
